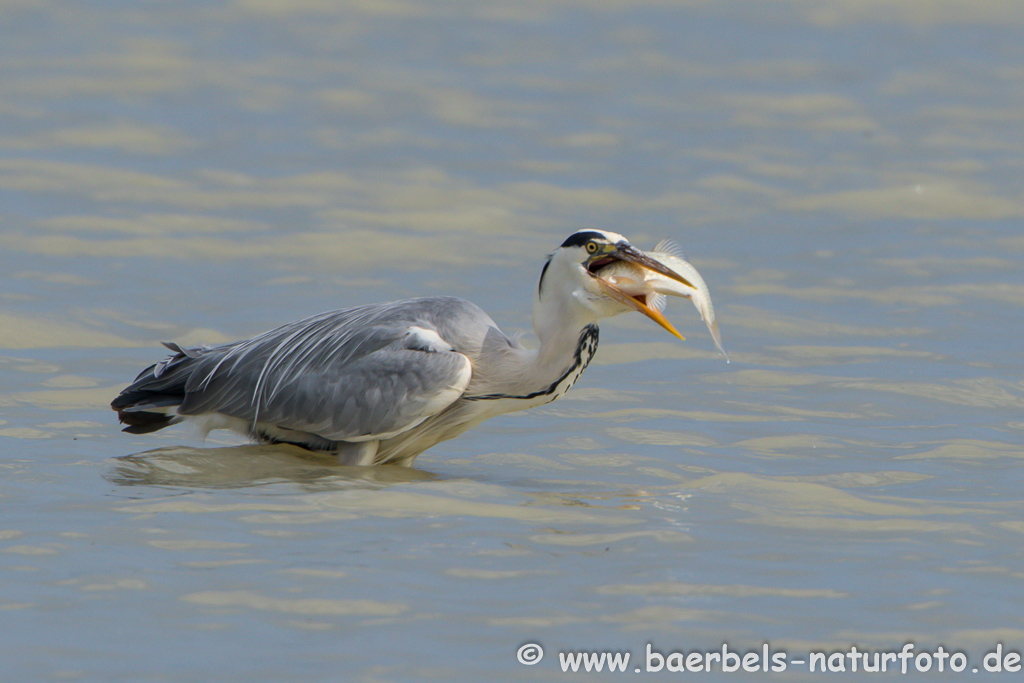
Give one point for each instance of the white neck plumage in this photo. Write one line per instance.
(568, 336)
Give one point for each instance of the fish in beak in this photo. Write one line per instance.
(641, 280)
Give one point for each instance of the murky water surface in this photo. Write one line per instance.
(846, 175)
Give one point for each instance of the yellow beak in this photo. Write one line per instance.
(637, 305)
(628, 253)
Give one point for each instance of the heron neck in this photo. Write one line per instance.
(563, 329)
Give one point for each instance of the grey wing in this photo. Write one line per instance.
(366, 373)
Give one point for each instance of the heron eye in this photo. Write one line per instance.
(591, 247)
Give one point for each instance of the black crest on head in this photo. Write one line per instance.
(578, 239)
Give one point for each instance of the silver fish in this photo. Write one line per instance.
(636, 281)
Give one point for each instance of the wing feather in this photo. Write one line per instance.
(354, 375)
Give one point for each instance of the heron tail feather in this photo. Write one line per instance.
(151, 402)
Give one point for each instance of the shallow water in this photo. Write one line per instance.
(845, 175)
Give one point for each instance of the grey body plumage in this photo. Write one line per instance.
(381, 383)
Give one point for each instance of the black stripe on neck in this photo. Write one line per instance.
(543, 272)
(587, 345)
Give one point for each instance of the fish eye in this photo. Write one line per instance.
(591, 247)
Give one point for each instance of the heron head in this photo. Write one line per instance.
(604, 274)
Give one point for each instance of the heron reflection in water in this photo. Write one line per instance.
(384, 382)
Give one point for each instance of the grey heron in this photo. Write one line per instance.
(382, 383)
